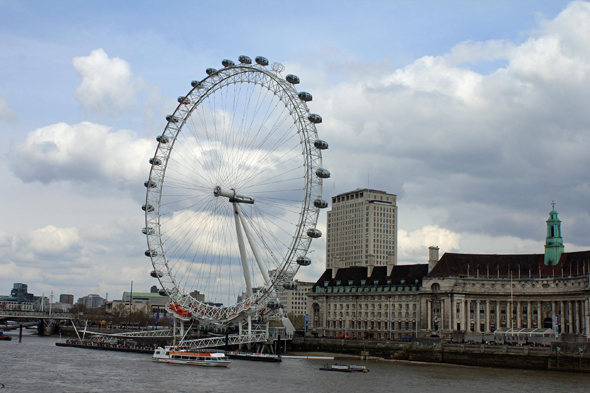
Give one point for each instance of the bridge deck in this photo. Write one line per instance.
(17, 314)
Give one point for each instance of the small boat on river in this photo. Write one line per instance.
(344, 368)
(257, 357)
(5, 337)
(176, 355)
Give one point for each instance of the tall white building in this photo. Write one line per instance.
(362, 229)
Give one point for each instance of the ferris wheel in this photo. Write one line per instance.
(234, 193)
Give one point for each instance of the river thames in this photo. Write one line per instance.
(37, 365)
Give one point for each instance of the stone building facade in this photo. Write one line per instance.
(378, 302)
(521, 298)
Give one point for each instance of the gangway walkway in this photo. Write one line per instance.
(254, 336)
(158, 333)
(234, 339)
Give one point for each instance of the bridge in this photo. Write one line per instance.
(34, 315)
(45, 321)
(16, 325)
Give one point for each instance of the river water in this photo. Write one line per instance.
(37, 365)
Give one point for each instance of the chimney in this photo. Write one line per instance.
(432, 257)
(370, 265)
(334, 271)
(338, 263)
(391, 263)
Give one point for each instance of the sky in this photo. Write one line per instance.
(473, 113)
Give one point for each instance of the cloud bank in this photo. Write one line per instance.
(476, 143)
(492, 150)
(82, 153)
(108, 85)
(6, 113)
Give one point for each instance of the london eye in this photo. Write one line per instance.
(234, 193)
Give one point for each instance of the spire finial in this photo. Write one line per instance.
(553, 205)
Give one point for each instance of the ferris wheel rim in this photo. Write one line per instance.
(308, 216)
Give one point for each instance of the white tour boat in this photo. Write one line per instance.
(178, 355)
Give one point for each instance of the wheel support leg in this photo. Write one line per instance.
(242, 247)
(252, 244)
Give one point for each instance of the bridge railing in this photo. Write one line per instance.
(35, 315)
(233, 339)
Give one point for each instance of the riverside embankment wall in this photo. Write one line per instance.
(559, 357)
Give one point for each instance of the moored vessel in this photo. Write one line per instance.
(257, 357)
(178, 355)
(344, 368)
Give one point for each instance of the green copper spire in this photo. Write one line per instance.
(553, 242)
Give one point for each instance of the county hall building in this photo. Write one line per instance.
(519, 298)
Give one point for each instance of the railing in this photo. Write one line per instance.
(163, 333)
(220, 341)
(35, 314)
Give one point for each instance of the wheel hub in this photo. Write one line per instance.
(232, 195)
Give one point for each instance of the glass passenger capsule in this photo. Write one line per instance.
(320, 144)
(293, 79)
(314, 118)
(304, 96)
(303, 261)
(172, 119)
(151, 253)
(263, 61)
(147, 208)
(244, 59)
(155, 161)
(162, 292)
(320, 203)
(148, 231)
(150, 184)
(211, 71)
(290, 285)
(197, 84)
(314, 233)
(183, 100)
(227, 63)
(162, 139)
(273, 305)
(156, 274)
(322, 173)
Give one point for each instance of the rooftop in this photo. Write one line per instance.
(451, 264)
(363, 190)
(355, 275)
(142, 294)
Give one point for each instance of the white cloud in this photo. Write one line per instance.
(413, 246)
(73, 260)
(35, 248)
(83, 153)
(50, 241)
(492, 150)
(477, 51)
(108, 85)
(6, 113)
